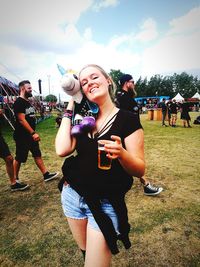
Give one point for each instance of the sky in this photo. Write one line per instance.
(139, 37)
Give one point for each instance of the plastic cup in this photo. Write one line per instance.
(104, 162)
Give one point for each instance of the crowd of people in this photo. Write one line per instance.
(170, 110)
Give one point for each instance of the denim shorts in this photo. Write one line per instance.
(74, 207)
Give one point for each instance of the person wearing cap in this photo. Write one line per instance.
(125, 100)
(125, 97)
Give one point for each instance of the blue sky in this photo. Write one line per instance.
(140, 37)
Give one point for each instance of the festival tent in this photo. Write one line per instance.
(8, 90)
(8, 94)
(178, 98)
(197, 95)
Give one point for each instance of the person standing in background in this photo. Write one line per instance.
(169, 111)
(185, 116)
(173, 111)
(125, 100)
(164, 111)
(25, 136)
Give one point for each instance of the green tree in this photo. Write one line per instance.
(154, 85)
(141, 87)
(184, 84)
(167, 86)
(197, 85)
(50, 98)
(115, 75)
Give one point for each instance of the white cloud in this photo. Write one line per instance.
(172, 54)
(187, 23)
(43, 13)
(148, 31)
(13, 56)
(178, 50)
(72, 34)
(117, 41)
(105, 4)
(39, 24)
(74, 38)
(87, 34)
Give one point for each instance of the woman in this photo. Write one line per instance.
(93, 199)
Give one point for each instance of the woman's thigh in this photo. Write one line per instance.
(78, 228)
(97, 252)
(76, 218)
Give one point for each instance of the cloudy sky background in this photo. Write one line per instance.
(139, 37)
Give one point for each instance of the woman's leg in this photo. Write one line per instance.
(97, 252)
(78, 228)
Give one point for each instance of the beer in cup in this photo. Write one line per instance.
(104, 162)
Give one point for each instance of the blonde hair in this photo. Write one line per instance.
(112, 87)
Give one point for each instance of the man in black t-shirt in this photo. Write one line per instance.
(125, 100)
(24, 135)
(125, 97)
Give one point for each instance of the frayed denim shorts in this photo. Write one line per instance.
(74, 207)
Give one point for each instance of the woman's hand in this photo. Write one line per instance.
(114, 148)
(131, 157)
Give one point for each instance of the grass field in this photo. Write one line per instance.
(164, 229)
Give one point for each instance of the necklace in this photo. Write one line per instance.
(104, 126)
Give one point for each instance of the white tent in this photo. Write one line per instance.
(178, 98)
(197, 95)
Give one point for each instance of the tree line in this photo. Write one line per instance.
(185, 84)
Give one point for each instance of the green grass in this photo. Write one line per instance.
(164, 229)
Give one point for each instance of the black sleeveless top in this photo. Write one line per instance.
(82, 171)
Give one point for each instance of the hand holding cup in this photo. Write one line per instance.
(104, 162)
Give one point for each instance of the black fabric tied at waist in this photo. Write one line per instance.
(106, 225)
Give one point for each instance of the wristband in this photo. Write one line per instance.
(69, 111)
(33, 133)
(68, 114)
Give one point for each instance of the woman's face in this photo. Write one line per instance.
(94, 83)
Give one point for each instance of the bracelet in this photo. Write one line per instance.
(69, 111)
(33, 133)
(68, 114)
